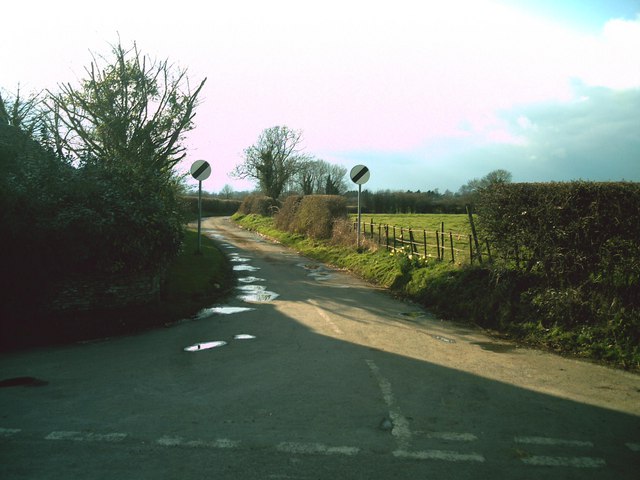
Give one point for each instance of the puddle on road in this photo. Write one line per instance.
(321, 275)
(251, 279)
(207, 312)
(244, 336)
(317, 271)
(245, 268)
(204, 346)
(256, 294)
(236, 258)
(442, 339)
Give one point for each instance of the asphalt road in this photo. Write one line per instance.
(321, 376)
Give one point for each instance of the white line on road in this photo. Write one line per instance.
(400, 429)
(445, 455)
(576, 462)
(86, 436)
(181, 442)
(331, 323)
(552, 441)
(8, 432)
(449, 436)
(316, 448)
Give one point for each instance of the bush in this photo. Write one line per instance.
(211, 207)
(316, 215)
(567, 232)
(258, 205)
(62, 222)
(286, 216)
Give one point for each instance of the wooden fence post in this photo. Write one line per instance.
(453, 257)
(470, 249)
(425, 244)
(394, 238)
(473, 231)
(489, 251)
(438, 244)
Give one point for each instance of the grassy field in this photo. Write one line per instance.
(456, 224)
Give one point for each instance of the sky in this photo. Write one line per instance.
(427, 94)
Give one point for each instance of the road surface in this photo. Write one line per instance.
(309, 373)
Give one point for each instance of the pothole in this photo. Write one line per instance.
(23, 382)
(495, 347)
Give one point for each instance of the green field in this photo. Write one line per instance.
(423, 227)
(456, 223)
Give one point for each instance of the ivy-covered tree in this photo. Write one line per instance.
(273, 160)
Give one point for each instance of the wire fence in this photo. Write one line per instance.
(435, 244)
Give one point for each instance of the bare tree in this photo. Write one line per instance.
(272, 160)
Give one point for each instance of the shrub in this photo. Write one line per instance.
(316, 215)
(286, 216)
(565, 231)
(258, 205)
(211, 207)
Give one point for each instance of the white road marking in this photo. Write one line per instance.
(552, 441)
(326, 318)
(445, 455)
(8, 432)
(634, 447)
(181, 442)
(316, 448)
(86, 436)
(576, 462)
(400, 430)
(450, 436)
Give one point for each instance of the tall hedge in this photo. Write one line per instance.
(568, 232)
(316, 215)
(258, 205)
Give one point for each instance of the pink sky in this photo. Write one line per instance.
(427, 94)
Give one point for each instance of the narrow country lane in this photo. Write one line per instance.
(309, 373)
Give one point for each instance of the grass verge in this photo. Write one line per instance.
(501, 301)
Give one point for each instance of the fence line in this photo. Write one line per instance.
(454, 247)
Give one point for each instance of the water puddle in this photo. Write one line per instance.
(321, 275)
(256, 294)
(443, 339)
(240, 259)
(204, 346)
(207, 312)
(250, 279)
(244, 336)
(245, 268)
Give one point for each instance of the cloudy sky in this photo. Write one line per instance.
(427, 94)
